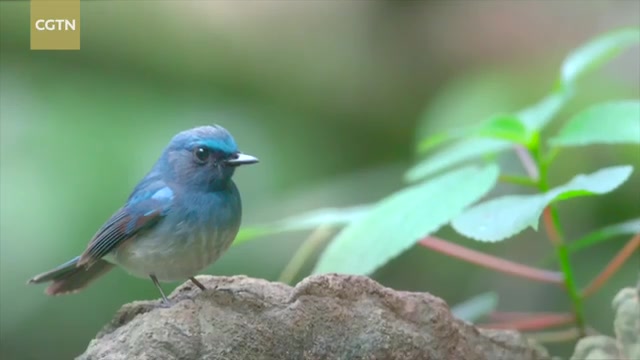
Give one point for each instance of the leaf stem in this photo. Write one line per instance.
(502, 316)
(518, 180)
(629, 249)
(553, 228)
(532, 322)
(306, 250)
(491, 262)
(562, 253)
(527, 161)
(551, 155)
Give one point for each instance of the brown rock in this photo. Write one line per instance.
(323, 317)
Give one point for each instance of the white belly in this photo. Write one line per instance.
(172, 258)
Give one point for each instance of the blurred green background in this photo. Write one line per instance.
(330, 95)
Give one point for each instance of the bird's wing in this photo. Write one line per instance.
(147, 206)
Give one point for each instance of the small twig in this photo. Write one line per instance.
(306, 250)
(533, 322)
(491, 262)
(613, 266)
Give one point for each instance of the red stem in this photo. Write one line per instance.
(491, 262)
(527, 162)
(552, 232)
(613, 266)
(533, 322)
(502, 316)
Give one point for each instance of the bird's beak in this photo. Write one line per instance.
(242, 159)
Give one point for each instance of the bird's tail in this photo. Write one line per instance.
(69, 277)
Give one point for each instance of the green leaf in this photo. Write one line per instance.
(249, 233)
(400, 220)
(476, 307)
(608, 123)
(537, 116)
(457, 153)
(504, 217)
(595, 53)
(625, 228)
(504, 127)
(450, 114)
(597, 183)
(327, 216)
(307, 221)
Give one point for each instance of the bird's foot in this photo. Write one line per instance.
(215, 288)
(228, 290)
(197, 283)
(165, 303)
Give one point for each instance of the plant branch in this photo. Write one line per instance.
(491, 262)
(537, 168)
(629, 249)
(554, 231)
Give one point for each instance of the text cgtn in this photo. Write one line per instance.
(55, 25)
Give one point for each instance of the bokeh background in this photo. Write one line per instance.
(330, 95)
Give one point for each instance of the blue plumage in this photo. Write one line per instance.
(178, 220)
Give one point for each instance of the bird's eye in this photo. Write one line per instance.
(201, 154)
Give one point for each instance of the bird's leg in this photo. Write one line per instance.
(157, 284)
(197, 283)
(203, 288)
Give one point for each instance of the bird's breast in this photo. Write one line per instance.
(182, 244)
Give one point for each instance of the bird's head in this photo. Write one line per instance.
(203, 158)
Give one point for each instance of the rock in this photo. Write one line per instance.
(323, 317)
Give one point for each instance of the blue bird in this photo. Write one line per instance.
(177, 221)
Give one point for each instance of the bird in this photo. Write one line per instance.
(179, 219)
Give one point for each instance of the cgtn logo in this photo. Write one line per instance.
(55, 25)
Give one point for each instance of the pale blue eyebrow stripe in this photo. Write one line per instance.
(226, 145)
